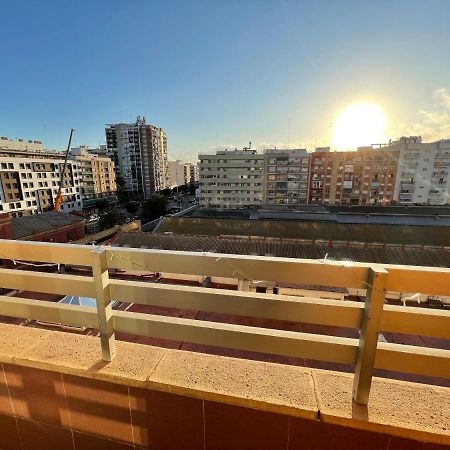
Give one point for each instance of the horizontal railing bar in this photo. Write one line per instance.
(288, 270)
(426, 280)
(47, 282)
(47, 252)
(25, 308)
(431, 362)
(239, 337)
(276, 307)
(418, 321)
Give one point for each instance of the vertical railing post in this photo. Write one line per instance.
(243, 285)
(373, 309)
(103, 300)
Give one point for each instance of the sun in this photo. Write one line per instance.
(358, 125)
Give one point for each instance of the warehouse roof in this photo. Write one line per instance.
(310, 230)
(289, 248)
(388, 215)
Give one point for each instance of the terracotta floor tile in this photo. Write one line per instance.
(234, 428)
(164, 421)
(99, 408)
(315, 435)
(9, 434)
(88, 442)
(37, 395)
(40, 436)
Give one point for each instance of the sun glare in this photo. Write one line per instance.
(357, 125)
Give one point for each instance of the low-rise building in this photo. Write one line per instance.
(232, 179)
(52, 226)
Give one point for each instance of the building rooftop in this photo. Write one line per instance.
(438, 235)
(38, 223)
(288, 248)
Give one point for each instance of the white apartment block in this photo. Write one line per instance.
(422, 171)
(139, 151)
(30, 185)
(176, 170)
(231, 179)
(286, 176)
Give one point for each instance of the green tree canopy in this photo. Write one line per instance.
(132, 207)
(110, 218)
(154, 207)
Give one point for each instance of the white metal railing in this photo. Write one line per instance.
(370, 318)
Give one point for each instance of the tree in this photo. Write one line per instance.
(110, 218)
(101, 204)
(166, 192)
(154, 207)
(132, 207)
(192, 188)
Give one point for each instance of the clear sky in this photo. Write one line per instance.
(218, 73)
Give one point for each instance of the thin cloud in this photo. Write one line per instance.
(433, 123)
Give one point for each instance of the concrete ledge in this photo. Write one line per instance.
(398, 408)
(408, 410)
(270, 387)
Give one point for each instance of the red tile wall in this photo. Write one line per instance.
(48, 410)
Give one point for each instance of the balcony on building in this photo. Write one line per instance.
(212, 358)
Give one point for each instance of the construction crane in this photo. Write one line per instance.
(58, 198)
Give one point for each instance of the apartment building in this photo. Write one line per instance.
(286, 176)
(232, 179)
(30, 185)
(423, 171)
(191, 173)
(98, 179)
(363, 177)
(139, 151)
(20, 145)
(177, 173)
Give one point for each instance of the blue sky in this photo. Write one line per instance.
(215, 73)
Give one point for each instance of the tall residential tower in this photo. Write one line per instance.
(139, 151)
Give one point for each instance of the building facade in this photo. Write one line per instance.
(139, 151)
(363, 177)
(231, 179)
(286, 176)
(98, 179)
(29, 179)
(191, 173)
(423, 171)
(30, 185)
(177, 173)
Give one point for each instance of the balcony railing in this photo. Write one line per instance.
(370, 318)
